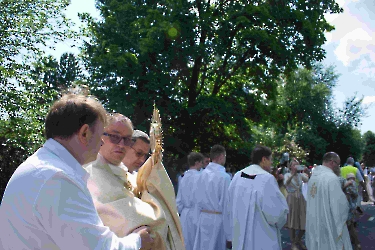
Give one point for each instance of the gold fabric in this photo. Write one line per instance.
(123, 212)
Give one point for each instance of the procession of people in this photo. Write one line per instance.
(98, 183)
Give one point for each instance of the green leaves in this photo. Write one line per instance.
(25, 28)
(211, 68)
(369, 149)
(305, 99)
(28, 80)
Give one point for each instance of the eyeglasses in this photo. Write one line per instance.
(336, 163)
(116, 139)
(140, 154)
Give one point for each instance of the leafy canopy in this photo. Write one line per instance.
(211, 66)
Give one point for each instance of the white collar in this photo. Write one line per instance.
(254, 169)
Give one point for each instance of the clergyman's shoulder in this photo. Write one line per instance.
(325, 178)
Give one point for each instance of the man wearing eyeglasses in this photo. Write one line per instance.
(113, 189)
(46, 204)
(327, 207)
(137, 153)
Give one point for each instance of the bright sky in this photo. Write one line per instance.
(350, 47)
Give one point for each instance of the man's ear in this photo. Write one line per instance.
(262, 161)
(84, 134)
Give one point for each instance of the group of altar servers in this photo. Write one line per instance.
(249, 211)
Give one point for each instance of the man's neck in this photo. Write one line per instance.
(73, 149)
(219, 163)
(131, 170)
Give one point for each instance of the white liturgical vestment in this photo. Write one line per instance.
(211, 190)
(112, 189)
(327, 212)
(255, 210)
(187, 207)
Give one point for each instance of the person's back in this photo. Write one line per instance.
(187, 207)
(186, 200)
(259, 209)
(212, 185)
(23, 209)
(318, 185)
(185, 197)
(327, 208)
(348, 169)
(210, 192)
(255, 209)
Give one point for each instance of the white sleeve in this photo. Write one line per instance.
(224, 192)
(227, 214)
(66, 212)
(179, 198)
(274, 206)
(339, 207)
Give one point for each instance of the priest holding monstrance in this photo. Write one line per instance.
(125, 205)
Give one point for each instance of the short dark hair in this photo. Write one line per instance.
(138, 134)
(259, 152)
(329, 156)
(350, 161)
(194, 157)
(68, 114)
(216, 151)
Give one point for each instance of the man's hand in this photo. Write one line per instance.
(147, 241)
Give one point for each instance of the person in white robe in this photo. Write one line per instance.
(210, 191)
(327, 208)
(256, 210)
(186, 200)
(124, 205)
(369, 189)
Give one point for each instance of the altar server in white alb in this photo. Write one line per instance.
(256, 209)
(186, 200)
(211, 190)
(327, 208)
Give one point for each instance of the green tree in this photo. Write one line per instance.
(305, 110)
(21, 125)
(211, 67)
(26, 27)
(55, 74)
(46, 70)
(69, 70)
(369, 150)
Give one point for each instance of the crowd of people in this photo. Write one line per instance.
(321, 202)
(98, 183)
